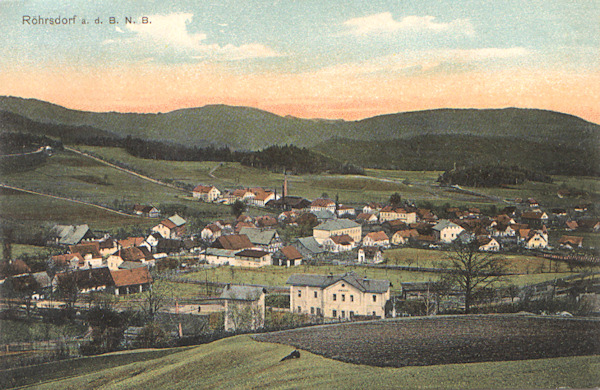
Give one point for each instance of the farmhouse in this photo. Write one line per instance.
(130, 281)
(233, 242)
(206, 193)
(146, 211)
(401, 237)
(377, 239)
(172, 227)
(446, 231)
(535, 239)
(251, 258)
(265, 239)
(287, 256)
(322, 204)
(366, 217)
(244, 307)
(132, 254)
(487, 244)
(345, 211)
(338, 296)
(309, 247)
(571, 242)
(211, 232)
(336, 228)
(390, 213)
(261, 196)
(71, 235)
(341, 243)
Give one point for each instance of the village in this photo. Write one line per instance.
(306, 238)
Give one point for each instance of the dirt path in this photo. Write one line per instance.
(66, 199)
(144, 177)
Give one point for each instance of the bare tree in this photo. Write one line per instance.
(473, 271)
(156, 297)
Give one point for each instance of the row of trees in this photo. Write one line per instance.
(491, 176)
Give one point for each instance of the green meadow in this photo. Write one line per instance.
(242, 363)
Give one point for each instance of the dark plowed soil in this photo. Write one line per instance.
(446, 340)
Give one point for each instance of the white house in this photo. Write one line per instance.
(206, 193)
(446, 231)
(338, 296)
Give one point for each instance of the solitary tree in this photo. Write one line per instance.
(395, 200)
(238, 208)
(473, 271)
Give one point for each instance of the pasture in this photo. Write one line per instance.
(242, 363)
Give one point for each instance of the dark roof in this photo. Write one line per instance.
(14, 267)
(252, 253)
(87, 248)
(88, 278)
(135, 254)
(233, 241)
(323, 281)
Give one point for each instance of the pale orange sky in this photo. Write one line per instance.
(332, 95)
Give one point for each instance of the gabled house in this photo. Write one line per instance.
(488, 244)
(570, 242)
(571, 225)
(336, 228)
(130, 242)
(107, 247)
(172, 227)
(366, 218)
(206, 193)
(211, 232)
(402, 237)
(244, 195)
(390, 213)
(252, 258)
(132, 254)
(377, 239)
(372, 208)
(446, 231)
(72, 234)
(131, 281)
(338, 296)
(244, 307)
(309, 247)
(345, 211)
(261, 196)
(341, 243)
(68, 261)
(287, 203)
(321, 204)
(265, 239)
(534, 239)
(146, 211)
(287, 256)
(266, 221)
(90, 251)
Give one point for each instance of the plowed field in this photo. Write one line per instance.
(446, 340)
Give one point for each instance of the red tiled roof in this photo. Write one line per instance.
(291, 253)
(377, 236)
(92, 248)
(322, 203)
(131, 241)
(131, 277)
(572, 240)
(66, 258)
(167, 223)
(203, 189)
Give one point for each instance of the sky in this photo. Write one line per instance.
(310, 59)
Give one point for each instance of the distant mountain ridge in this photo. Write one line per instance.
(246, 128)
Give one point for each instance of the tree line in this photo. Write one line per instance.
(491, 176)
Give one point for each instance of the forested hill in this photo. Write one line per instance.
(253, 129)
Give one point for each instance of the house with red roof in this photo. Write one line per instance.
(206, 193)
(377, 239)
(172, 227)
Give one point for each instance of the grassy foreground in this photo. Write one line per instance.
(241, 363)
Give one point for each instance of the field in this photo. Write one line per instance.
(241, 363)
(446, 340)
(39, 210)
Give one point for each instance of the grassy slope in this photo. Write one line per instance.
(241, 363)
(39, 210)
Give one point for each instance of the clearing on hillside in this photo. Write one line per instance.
(446, 340)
